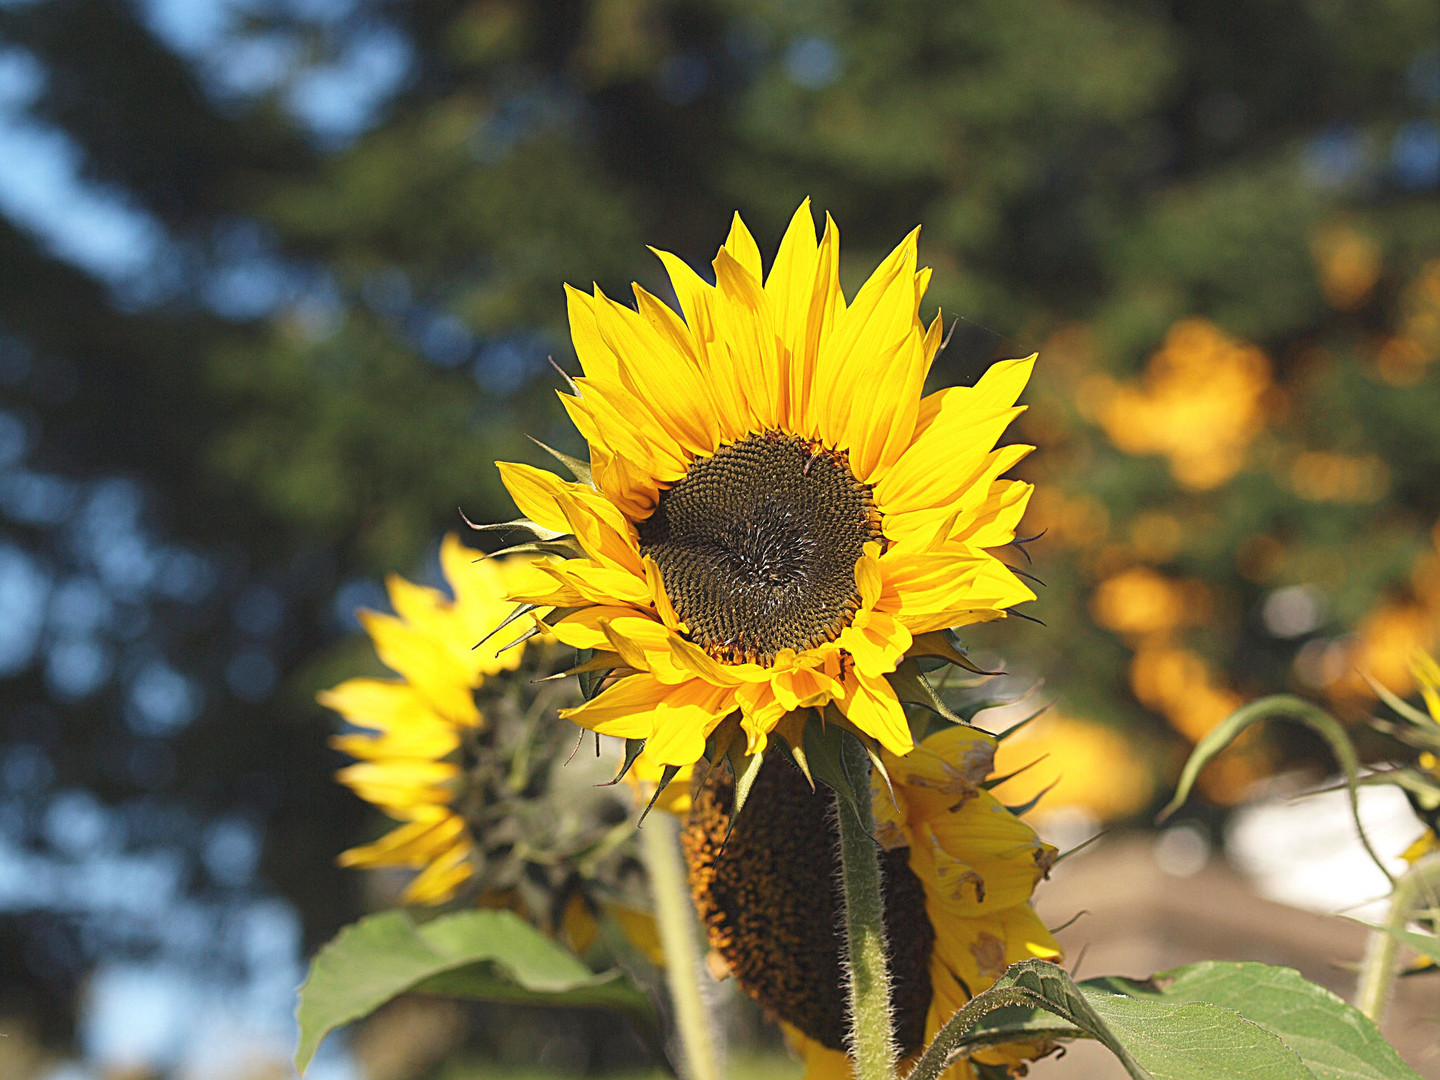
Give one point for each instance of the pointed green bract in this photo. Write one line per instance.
(578, 469)
(824, 752)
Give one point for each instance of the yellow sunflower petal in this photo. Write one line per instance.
(877, 641)
(431, 667)
(377, 703)
(583, 629)
(534, 493)
(1426, 673)
(429, 740)
(442, 879)
(871, 705)
(412, 844)
(673, 717)
(741, 247)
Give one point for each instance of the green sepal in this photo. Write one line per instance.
(578, 469)
(996, 781)
(1020, 725)
(540, 532)
(669, 773)
(566, 546)
(746, 768)
(633, 747)
(601, 661)
(1030, 804)
(825, 749)
(942, 643)
(519, 612)
(1410, 733)
(912, 688)
(591, 678)
(530, 632)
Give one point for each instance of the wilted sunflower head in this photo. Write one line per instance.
(958, 869)
(772, 517)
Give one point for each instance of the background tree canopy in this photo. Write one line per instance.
(279, 280)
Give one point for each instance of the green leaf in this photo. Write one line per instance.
(1153, 1039)
(1334, 1040)
(1288, 707)
(483, 955)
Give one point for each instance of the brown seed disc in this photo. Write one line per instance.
(770, 901)
(757, 545)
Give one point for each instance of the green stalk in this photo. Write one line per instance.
(676, 918)
(872, 1030)
(1414, 892)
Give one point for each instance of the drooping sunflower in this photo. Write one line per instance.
(958, 867)
(773, 516)
(407, 767)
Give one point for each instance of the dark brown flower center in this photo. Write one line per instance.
(768, 896)
(757, 546)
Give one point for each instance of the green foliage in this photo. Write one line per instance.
(479, 955)
(1208, 1021)
(1257, 712)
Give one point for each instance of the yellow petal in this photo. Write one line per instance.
(1426, 673)
(741, 247)
(600, 584)
(534, 492)
(877, 641)
(870, 354)
(791, 279)
(440, 880)
(381, 704)
(582, 629)
(431, 667)
(675, 719)
(430, 740)
(961, 425)
(871, 705)
(415, 843)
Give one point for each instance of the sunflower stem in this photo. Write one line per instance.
(1414, 892)
(676, 920)
(872, 1021)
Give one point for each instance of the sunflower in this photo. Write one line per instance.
(1426, 803)
(773, 516)
(418, 721)
(959, 870)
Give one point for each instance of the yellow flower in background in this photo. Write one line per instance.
(773, 513)
(418, 720)
(1078, 765)
(1200, 403)
(959, 870)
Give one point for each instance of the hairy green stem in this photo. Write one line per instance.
(872, 1030)
(1414, 892)
(676, 919)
